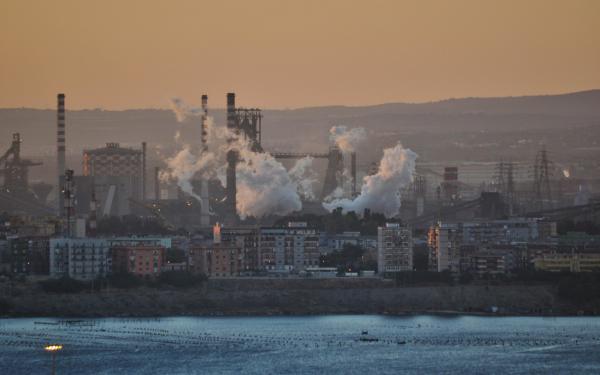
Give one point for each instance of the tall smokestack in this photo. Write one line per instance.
(353, 173)
(143, 171)
(204, 209)
(204, 126)
(231, 111)
(231, 215)
(60, 148)
(69, 209)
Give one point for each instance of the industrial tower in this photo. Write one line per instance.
(204, 208)
(541, 180)
(506, 184)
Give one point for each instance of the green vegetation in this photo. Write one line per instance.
(175, 255)
(350, 259)
(421, 257)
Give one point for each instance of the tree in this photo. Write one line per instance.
(175, 255)
(421, 258)
(349, 258)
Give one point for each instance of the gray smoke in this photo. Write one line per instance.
(305, 177)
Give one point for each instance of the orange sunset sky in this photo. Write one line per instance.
(283, 53)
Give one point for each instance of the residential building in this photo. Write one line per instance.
(579, 240)
(142, 260)
(28, 255)
(444, 242)
(246, 239)
(486, 262)
(565, 262)
(5, 266)
(224, 259)
(336, 242)
(503, 231)
(290, 249)
(164, 242)
(174, 266)
(394, 249)
(80, 258)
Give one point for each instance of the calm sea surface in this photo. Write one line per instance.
(304, 345)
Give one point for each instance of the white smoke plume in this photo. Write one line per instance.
(183, 111)
(305, 177)
(381, 192)
(264, 186)
(346, 139)
(336, 194)
(184, 166)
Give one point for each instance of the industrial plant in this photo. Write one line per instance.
(119, 181)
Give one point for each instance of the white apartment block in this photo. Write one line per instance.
(394, 248)
(80, 258)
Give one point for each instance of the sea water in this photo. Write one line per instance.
(304, 345)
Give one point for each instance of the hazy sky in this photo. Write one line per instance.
(277, 53)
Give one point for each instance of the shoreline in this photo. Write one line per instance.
(268, 297)
(255, 314)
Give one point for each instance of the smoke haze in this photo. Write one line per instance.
(303, 174)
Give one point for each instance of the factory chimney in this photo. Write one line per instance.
(204, 126)
(353, 173)
(143, 171)
(60, 148)
(232, 157)
(69, 208)
(204, 209)
(231, 111)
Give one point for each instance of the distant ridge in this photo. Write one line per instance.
(580, 102)
(588, 100)
(416, 124)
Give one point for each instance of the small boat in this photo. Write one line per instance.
(365, 337)
(401, 342)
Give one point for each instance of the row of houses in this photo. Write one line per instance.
(89, 258)
(498, 247)
(241, 251)
(509, 246)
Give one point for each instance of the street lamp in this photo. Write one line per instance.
(53, 349)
